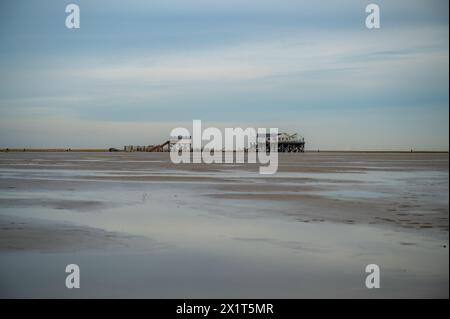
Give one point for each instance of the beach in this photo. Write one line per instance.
(140, 226)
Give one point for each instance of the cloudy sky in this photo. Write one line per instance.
(137, 69)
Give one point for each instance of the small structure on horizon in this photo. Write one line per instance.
(286, 143)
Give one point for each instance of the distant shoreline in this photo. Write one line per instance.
(101, 150)
(55, 150)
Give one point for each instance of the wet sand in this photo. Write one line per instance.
(225, 230)
(27, 234)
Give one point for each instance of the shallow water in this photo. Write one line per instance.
(212, 247)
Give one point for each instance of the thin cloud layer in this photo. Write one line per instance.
(228, 63)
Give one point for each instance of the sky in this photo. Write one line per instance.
(137, 69)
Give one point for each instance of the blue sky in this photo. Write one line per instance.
(137, 69)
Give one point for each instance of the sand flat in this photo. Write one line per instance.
(27, 234)
(322, 215)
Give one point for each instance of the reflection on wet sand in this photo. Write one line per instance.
(140, 226)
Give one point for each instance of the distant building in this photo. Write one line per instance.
(180, 143)
(283, 142)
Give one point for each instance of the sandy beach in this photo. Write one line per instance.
(140, 226)
(27, 234)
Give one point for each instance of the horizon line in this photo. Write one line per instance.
(112, 149)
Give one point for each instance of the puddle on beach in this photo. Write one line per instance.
(351, 194)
